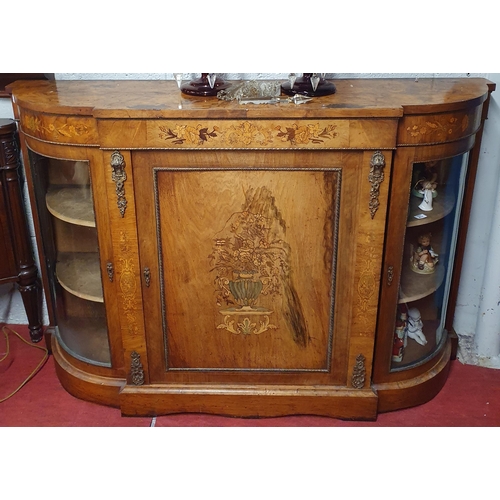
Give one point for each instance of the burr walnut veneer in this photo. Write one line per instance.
(251, 260)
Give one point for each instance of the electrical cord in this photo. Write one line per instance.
(6, 330)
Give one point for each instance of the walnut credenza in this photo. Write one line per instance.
(252, 260)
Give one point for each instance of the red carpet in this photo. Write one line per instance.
(470, 398)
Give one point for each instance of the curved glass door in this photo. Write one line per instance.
(69, 237)
(429, 247)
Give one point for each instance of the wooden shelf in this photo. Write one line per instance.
(416, 286)
(442, 205)
(80, 274)
(72, 204)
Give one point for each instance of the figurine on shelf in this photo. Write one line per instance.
(424, 258)
(426, 186)
(426, 204)
(400, 336)
(415, 326)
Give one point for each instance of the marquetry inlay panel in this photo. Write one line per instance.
(438, 128)
(78, 130)
(249, 134)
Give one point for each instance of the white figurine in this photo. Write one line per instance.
(426, 186)
(426, 204)
(415, 326)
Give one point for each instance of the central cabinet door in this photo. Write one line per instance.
(259, 267)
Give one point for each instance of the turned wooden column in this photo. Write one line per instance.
(16, 252)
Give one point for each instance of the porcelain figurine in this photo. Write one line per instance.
(426, 204)
(415, 326)
(424, 258)
(426, 186)
(400, 336)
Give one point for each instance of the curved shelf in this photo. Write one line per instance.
(442, 205)
(80, 275)
(72, 204)
(417, 286)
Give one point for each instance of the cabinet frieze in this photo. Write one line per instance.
(438, 128)
(248, 134)
(71, 130)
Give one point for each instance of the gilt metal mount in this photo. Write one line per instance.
(119, 177)
(137, 371)
(390, 275)
(110, 270)
(376, 177)
(359, 372)
(147, 276)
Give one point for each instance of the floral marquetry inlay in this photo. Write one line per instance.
(368, 283)
(254, 134)
(445, 127)
(77, 130)
(250, 261)
(128, 285)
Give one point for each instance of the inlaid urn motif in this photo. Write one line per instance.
(250, 261)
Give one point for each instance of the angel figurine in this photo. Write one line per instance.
(426, 186)
(427, 191)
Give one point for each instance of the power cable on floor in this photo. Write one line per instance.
(6, 330)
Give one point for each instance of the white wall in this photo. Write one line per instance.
(250, 76)
(477, 315)
(483, 241)
(6, 108)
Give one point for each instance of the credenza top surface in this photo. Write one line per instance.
(152, 99)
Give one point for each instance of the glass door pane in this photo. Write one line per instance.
(69, 237)
(431, 233)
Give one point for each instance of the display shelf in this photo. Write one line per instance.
(442, 205)
(416, 286)
(80, 274)
(72, 204)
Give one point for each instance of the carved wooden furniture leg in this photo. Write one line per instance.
(18, 237)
